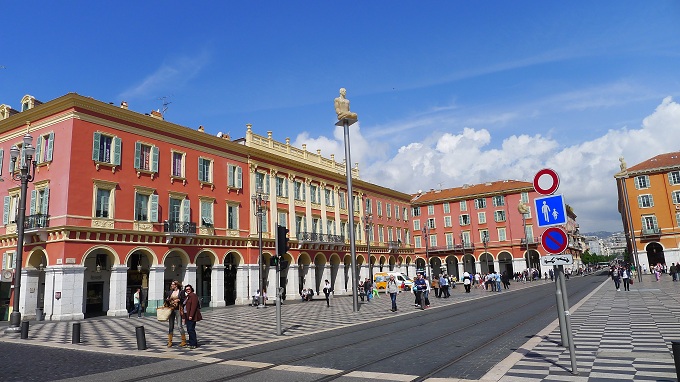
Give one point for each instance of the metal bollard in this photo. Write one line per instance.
(24, 330)
(141, 337)
(75, 335)
(675, 345)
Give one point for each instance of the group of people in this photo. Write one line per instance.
(307, 294)
(493, 281)
(367, 289)
(621, 273)
(186, 310)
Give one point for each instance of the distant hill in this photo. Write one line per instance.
(600, 234)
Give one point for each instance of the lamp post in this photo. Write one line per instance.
(462, 246)
(426, 233)
(368, 224)
(259, 201)
(485, 240)
(25, 173)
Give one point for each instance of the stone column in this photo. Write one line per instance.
(69, 283)
(190, 275)
(28, 301)
(217, 286)
(339, 286)
(117, 291)
(156, 292)
(244, 283)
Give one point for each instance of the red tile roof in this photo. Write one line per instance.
(660, 163)
(471, 191)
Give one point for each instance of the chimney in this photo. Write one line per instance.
(123, 105)
(201, 129)
(156, 114)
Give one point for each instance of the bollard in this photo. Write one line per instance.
(141, 338)
(676, 357)
(75, 335)
(24, 330)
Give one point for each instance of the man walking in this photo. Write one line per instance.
(392, 289)
(368, 288)
(444, 285)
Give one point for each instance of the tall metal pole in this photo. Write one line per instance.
(485, 240)
(526, 242)
(462, 246)
(25, 176)
(426, 235)
(352, 245)
(258, 199)
(567, 321)
(631, 231)
(367, 226)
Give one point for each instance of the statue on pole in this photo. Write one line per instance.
(342, 107)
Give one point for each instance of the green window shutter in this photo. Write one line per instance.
(116, 151)
(34, 195)
(2, 157)
(201, 175)
(231, 169)
(5, 211)
(154, 158)
(50, 147)
(38, 149)
(285, 187)
(95, 146)
(239, 177)
(138, 151)
(45, 201)
(153, 215)
(186, 210)
(266, 184)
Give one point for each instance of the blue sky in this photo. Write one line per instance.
(447, 92)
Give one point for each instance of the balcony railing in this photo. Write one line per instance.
(453, 247)
(656, 231)
(393, 246)
(531, 241)
(315, 237)
(179, 227)
(36, 221)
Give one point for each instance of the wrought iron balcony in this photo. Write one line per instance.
(36, 221)
(314, 237)
(531, 241)
(655, 231)
(179, 227)
(393, 246)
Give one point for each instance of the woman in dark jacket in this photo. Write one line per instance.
(192, 314)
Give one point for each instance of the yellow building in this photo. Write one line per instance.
(649, 203)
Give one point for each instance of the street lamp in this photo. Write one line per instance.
(426, 232)
(25, 173)
(485, 240)
(524, 210)
(259, 201)
(368, 224)
(462, 246)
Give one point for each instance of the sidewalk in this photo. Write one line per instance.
(619, 336)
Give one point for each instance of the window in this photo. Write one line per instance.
(417, 242)
(44, 148)
(283, 219)
(299, 190)
(390, 234)
(501, 234)
(447, 221)
(356, 203)
(675, 195)
(481, 217)
(645, 201)
(677, 219)
(39, 200)
(9, 260)
(342, 199)
(674, 177)
(11, 208)
(483, 233)
(449, 240)
(235, 177)
(388, 208)
(206, 219)
(175, 210)
(330, 227)
(104, 193)
(281, 187)
(146, 157)
(415, 211)
(524, 196)
(405, 214)
(498, 200)
(146, 205)
(300, 224)
(529, 232)
(499, 216)
(416, 225)
(381, 234)
(314, 196)
(205, 170)
(232, 217)
(343, 229)
(330, 197)
(178, 160)
(480, 203)
(433, 240)
(466, 238)
(463, 205)
(379, 208)
(464, 219)
(642, 182)
(106, 149)
(264, 225)
(262, 182)
(649, 223)
(316, 225)
(430, 209)
(447, 208)
(430, 223)
(396, 212)
(369, 207)
(2, 157)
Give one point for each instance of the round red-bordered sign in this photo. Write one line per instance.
(554, 240)
(554, 184)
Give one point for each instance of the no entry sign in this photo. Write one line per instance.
(554, 240)
(546, 181)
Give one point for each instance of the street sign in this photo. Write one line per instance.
(546, 181)
(557, 260)
(554, 240)
(550, 210)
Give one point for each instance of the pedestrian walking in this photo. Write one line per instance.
(327, 291)
(362, 292)
(368, 288)
(444, 285)
(392, 289)
(435, 286)
(466, 282)
(137, 300)
(616, 276)
(497, 280)
(625, 276)
(192, 314)
(673, 269)
(174, 299)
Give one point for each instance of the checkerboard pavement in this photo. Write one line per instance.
(232, 327)
(619, 336)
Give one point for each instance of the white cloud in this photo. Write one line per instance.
(452, 159)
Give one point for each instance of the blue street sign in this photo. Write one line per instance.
(550, 210)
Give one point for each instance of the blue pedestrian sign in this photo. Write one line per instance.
(550, 210)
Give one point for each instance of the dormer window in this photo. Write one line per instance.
(29, 102)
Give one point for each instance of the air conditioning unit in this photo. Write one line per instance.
(7, 275)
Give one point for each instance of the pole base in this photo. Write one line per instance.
(13, 330)
(14, 323)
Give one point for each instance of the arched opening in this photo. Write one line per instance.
(382, 264)
(138, 264)
(175, 268)
(420, 266)
(97, 283)
(486, 263)
(655, 254)
(283, 275)
(371, 265)
(534, 260)
(469, 264)
(204, 264)
(35, 272)
(392, 263)
(335, 268)
(348, 271)
(408, 266)
(452, 266)
(436, 266)
(505, 263)
(231, 264)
